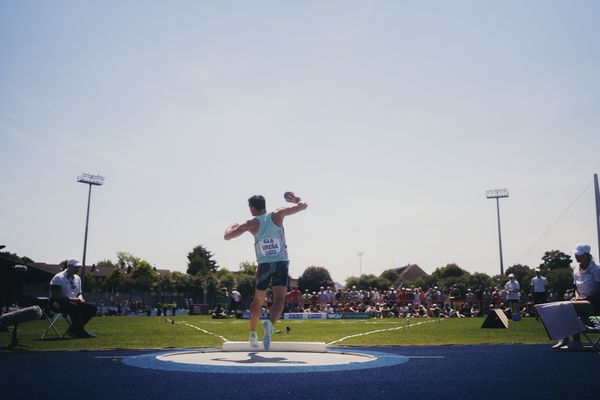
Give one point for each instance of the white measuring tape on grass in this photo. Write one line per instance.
(377, 331)
(202, 330)
(328, 344)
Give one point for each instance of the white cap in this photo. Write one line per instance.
(511, 275)
(73, 263)
(582, 249)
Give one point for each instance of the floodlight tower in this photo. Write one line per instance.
(95, 180)
(360, 254)
(498, 194)
(597, 196)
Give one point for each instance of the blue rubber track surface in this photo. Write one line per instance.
(451, 372)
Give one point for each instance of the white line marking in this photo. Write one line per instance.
(378, 331)
(202, 330)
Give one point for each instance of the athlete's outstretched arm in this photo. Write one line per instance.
(236, 230)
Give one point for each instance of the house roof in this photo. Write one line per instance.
(410, 273)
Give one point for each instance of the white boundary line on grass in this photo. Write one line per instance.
(378, 331)
(202, 330)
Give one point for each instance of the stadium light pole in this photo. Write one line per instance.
(360, 254)
(498, 194)
(91, 180)
(597, 196)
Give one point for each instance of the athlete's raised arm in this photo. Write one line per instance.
(298, 205)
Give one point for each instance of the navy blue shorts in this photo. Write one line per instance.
(275, 272)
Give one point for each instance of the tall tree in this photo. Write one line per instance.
(559, 280)
(143, 276)
(246, 279)
(449, 271)
(115, 281)
(10, 289)
(479, 280)
(226, 279)
(313, 278)
(451, 276)
(555, 259)
(181, 282)
(126, 261)
(366, 281)
(201, 262)
(390, 274)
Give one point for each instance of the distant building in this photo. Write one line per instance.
(409, 273)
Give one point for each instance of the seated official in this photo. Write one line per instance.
(586, 278)
(65, 291)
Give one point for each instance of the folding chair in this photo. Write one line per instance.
(590, 330)
(52, 313)
(560, 320)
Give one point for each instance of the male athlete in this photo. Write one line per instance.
(272, 257)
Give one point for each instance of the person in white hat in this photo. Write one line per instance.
(65, 292)
(514, 293)
(586, 278)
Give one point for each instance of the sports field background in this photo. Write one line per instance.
(203, 331)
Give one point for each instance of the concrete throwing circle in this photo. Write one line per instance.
(235, 362)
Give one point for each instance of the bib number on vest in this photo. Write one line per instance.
(270, 247)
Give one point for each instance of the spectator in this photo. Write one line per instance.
(235, 301)
(470, 297)
(554, 296)
(322, 296)
(293, 299)
(306, 299)
(586, 277)
(65, 290)
(329, 295)
(486, 300)
(352, 294)
(514, 294)
(539, 287)
(496, 297)
(417, 297)
(218, 312)
(569, 294)
(465, 309)
(339, 297)
(373, 311)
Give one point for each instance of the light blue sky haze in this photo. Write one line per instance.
(391, 117)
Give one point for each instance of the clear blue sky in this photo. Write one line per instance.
(391, 118)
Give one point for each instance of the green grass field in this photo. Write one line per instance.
(189, 332)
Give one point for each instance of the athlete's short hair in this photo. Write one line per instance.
(257, 201)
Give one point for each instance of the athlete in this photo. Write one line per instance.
(272, 257)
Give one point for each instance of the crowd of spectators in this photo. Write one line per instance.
(404, 302)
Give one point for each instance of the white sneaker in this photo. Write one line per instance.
(562, 342)
(253, 338)
(268, 327)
